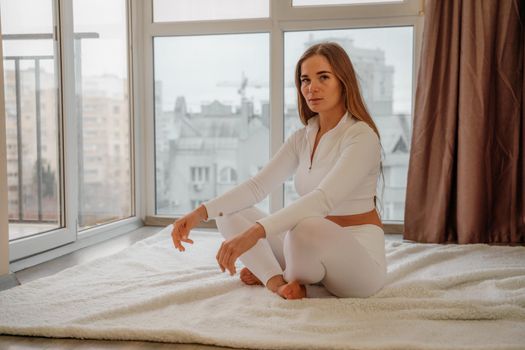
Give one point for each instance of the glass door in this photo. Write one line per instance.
(68, 120)
(33, 101)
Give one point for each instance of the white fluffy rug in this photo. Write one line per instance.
(437, 297)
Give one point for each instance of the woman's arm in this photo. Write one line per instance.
(202, 212)
(252, 191)
(255, 189)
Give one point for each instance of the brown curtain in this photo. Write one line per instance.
(466, 171)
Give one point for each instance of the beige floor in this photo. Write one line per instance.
(90, 253)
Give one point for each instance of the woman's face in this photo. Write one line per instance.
(320, 87)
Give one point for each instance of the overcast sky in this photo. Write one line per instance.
(202, 68)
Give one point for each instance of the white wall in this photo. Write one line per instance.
(4, 233)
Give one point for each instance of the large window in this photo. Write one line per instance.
(198, 10)
(382, 58)
(68, 119)
(211, 115)
(103, 114)
(32, 129)
(244, 76)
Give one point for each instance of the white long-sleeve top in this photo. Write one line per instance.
(341, 179)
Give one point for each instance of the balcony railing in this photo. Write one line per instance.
(36, 61)
(22, 216)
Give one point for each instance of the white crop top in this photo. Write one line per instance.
(340, 180)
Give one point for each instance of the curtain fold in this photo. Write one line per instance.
(467, 168)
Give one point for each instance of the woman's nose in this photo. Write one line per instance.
(312, 87)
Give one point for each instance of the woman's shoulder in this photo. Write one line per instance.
(299, 133)
(361, 130)
(359, 126)
(296, 139)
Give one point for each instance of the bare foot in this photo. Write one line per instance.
(292, 290)
(249, 278)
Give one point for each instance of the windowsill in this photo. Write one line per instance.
(390, 227)
(85, 239)
(106, 228)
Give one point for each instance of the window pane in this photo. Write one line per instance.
(382, 58)
(339, 2)
(31, 100)
(101, 82)
(211, 116)
(199, 10)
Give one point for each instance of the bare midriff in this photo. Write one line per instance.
(370, 217)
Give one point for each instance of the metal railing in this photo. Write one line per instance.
(36, 60)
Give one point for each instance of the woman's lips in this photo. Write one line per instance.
(315, 100)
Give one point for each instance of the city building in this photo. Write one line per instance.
(202, 155)
(103, 137)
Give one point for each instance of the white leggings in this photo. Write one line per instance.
(348, 261)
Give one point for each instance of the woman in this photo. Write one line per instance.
(332, 234)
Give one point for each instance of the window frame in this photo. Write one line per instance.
(27, 251)
(283, 18)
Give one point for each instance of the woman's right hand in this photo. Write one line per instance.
(182, 227)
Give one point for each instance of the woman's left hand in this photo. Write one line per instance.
(232, 248)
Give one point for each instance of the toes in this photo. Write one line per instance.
(292, 290)
(246, 273)
(248, 277)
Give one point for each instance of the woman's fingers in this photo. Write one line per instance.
(231, 263)
(217, 257)
(229, 257)
(232, 249)
(226, 258)
(178, 235)
(226, 261)
(175, 237)
(220, 256)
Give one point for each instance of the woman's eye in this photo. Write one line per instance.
(305, 81)
(324, 77)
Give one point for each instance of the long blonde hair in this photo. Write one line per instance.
(344, 71)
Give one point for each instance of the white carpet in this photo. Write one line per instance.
(437, 297)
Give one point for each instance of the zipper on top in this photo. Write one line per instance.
(314, 152)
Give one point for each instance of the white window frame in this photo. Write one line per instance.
(28, 251)
(283, 18)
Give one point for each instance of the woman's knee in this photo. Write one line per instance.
(304, 231)
(235, 223)
(302, 246)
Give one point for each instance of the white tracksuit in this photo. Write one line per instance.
(340, 180)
